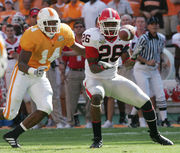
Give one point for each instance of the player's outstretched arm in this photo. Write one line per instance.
(78, 48)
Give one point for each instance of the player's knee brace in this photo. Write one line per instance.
(148, 111)
(96, 100)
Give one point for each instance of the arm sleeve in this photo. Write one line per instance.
(91, 52)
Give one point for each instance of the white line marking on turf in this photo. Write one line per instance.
(136, 133)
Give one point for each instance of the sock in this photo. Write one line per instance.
(134, 111)
(142, 122)
(150, 116)
(122, 115)
(163, 114)
(97, 129)
(17, 131)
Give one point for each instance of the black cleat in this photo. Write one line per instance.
(160, 139)
(76, 120)
(97, 143)
(122, 121)
(11, 140)
(166, 123)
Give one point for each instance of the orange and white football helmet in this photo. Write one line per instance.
(48, 21)
(3, 57)
(109, 22)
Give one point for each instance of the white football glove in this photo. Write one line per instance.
(105, 65)
(40, 71)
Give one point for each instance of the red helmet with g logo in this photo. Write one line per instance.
(109, 22)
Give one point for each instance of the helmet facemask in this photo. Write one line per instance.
(51, 28)
(109, 28)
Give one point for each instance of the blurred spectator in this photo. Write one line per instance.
(18, 21)
(155, 8)
(46, 3)
(66, 1)
(6, 16)
(73, 12)
(32, 19)
(62, 89)
(176, 43)
(170, 19)
(1, 7)
(91, 11)
(121, 6)
(12, 43)
(26, 5)
(135, 5)
(37, 4)
(59, 7)
(74, 79)
(56, 115)
(133, 121)
(127, 73)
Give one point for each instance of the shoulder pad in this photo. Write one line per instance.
(91, 37)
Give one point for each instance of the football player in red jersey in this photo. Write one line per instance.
(103, 49)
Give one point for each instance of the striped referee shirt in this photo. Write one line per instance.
(151, 47)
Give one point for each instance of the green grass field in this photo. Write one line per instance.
(116, 140)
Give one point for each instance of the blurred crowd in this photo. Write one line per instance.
(66, 75)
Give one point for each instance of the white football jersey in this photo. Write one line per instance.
(11, 47)
(108, 52)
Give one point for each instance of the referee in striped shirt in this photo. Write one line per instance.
(149, 48)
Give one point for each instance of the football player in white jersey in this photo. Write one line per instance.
(103, 48)
(12, 44)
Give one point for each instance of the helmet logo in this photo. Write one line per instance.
(50, 12)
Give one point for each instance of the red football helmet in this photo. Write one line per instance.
(109, 22)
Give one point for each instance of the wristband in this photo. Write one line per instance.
(31, 71)
(102, 67)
